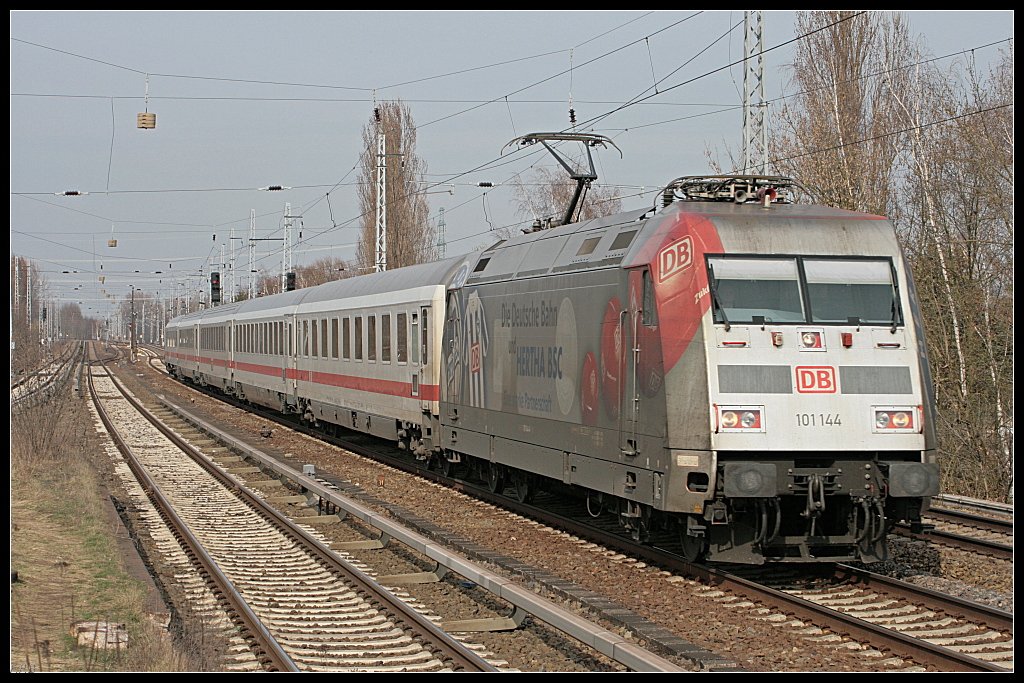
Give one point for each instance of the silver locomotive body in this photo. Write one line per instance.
(752, 377)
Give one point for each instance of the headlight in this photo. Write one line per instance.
(741, 418)
(894, 419)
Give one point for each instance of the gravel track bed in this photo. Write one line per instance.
(321, 622)
(957, 572)
(763, 641)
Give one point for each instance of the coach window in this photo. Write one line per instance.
(316, 338)
(371, 338)
(415, 338)
(346, 339)
(288, 337)
(305, 338)
(323, 338)
(359, 337)
(403, 338)
(334, 338)
(385, 338)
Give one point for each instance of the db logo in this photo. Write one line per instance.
(675, 258)
(816, 379)
(474, 358)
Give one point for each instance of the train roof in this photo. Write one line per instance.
(609, 241)
(409, 277)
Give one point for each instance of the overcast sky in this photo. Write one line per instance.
(249, 100)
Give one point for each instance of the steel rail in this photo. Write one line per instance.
(905, 646)
(272, 650)
(443, 644)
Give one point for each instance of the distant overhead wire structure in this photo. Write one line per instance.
(644, 97)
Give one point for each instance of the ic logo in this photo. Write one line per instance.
(816, 379)
(675, 258)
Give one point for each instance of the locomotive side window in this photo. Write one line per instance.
(746, 287)
(622, 240)
(403, 338)
(588, 246)
(650, 314)
(840, 290)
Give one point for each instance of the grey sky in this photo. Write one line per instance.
(220, 140)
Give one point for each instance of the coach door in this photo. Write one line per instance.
(423, 371)
(291, 362)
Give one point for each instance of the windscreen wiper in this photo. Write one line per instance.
(895, 297)
(715, 299)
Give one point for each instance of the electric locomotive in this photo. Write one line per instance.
(747, 373)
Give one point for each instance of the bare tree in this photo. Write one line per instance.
(933, 150)
(409, 234)
(831, 125)
(958, 229)
(550, 190)
(327, 269)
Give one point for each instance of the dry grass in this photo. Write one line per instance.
(64, 548)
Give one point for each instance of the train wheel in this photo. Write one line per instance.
(525, 488)
(694, 547)
(495, 478)
(447, 467)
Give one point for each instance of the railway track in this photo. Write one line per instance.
(924, 625)
(468, 576)
(302, 608)
(920, 626)
(975, 533)
(983, 529)
(40, 384)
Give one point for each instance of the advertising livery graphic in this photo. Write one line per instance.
(567, 353)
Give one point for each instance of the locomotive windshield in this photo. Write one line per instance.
(802, 290)
(840, 290)
(746, 287)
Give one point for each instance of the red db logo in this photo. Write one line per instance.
(474, 358)
(675, 258)
(816, 379)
